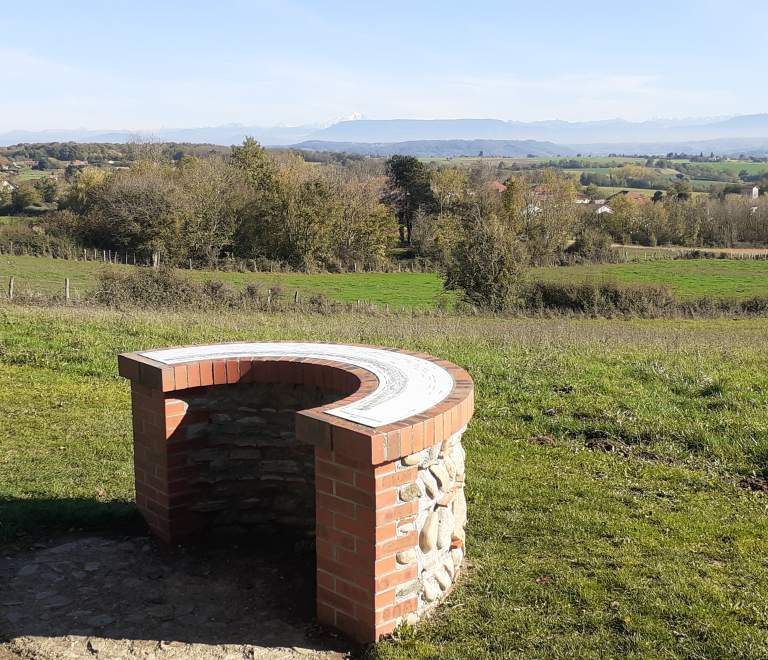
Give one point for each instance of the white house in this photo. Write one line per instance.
(750, 190)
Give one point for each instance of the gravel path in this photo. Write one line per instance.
(99, 597)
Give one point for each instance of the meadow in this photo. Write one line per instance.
(688, 278)
(603, 516)
(410, 290)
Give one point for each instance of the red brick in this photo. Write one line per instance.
(336, 537)
(219, 372)
(326, 580)
(334, 471)
(334, 600)
(366, 498)
(312, 428)
(396, 545)
(396, 578)
(193, 375)
(362, 631)
(429, 432)
(174, 407)
(367, 532)
(326, 614)
(397, 610)
(323, 485)
(246, 370)
(393, 444)
(206, 373)
(128, 367)
(335, 568)
(397, 479)
(355, 593)
(180, 377)
(233, 371)
(331, 503)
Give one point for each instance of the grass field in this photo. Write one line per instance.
(410, 290)
(687, 278)
(572, 553)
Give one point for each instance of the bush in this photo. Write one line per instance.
(594, 247)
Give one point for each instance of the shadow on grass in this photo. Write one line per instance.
(90, 569)
(34, 518)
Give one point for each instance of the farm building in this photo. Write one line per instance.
(633, 196)
(751, 191)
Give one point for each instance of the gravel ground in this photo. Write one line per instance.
(99, 597)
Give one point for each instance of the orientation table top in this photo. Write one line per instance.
(408, 385)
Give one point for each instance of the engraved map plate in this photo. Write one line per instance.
(408, 385)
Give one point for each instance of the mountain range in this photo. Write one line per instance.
(746, 134)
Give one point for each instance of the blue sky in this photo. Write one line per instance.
(171, 63)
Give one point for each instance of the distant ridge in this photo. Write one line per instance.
(725, 136)
(444, 148)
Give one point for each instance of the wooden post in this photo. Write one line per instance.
(296, 297)
(190, 264)
(269, 297)
(355, 267)
(66, 288)
(10, 288)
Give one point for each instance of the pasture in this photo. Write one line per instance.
(645, 551)
(410, 290)
(688, 278)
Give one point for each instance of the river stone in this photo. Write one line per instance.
(441, 475)
(448, 565)
(457, 556)
(434, 452)
(29, 569)
(458, 534)
(443, 579)
(412, 587)
(460, 508)
(413, 459)
(430, 592)
(406, 556)
(458, 459)
(446, 499)
(428, 536)
(446, 526)
(410, 492)
(450, 466)
(430, 487)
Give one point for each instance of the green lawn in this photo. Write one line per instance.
(572, 553)
(689, 278)
(410, 290)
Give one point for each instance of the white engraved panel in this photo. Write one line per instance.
(407, 385)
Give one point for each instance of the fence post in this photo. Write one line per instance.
(10, 288)
(190, 264)
(296, 297)
(66, 288)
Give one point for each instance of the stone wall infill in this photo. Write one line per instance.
(255, 479)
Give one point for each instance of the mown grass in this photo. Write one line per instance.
(573, 553)
(409, 290)
(688, 278)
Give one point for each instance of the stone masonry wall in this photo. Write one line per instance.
(255, 477)
(440, 521)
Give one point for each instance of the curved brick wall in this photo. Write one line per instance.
(389, 503)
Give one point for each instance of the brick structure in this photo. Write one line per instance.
(248, 438)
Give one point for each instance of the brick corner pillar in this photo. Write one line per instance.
(390, 506)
